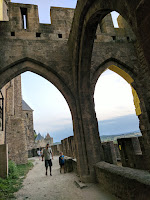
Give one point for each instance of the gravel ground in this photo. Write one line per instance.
(38, 186)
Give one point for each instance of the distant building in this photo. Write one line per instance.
(41, 142)
(39, 137)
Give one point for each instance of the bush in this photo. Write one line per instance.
(12, 170)
(14, 181)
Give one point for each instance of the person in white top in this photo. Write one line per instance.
(48, 155)
(39, 154)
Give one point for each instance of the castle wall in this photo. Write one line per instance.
(45, 50)
(3, 161)
(28, 120)
(16, 140)
(15, 125)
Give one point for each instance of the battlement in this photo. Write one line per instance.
(24, 24)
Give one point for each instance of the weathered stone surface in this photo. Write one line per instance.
(109, 152)
(125, 183)
(18, 121)
(3, 161)
(74, 65)
(131, 154)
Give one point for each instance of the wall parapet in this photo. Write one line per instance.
(129, 183)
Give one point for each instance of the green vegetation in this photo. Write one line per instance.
(14, 181)
(35, 134)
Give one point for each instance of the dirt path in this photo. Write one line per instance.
(38, 186)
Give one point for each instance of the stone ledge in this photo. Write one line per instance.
(70, 164)
(125, 183)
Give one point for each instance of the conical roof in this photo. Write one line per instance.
(25, 106)
(39, 137)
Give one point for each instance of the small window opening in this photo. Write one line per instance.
(27, 115)
(114, 37)
(38, 34)
(12, 33)
(24, 17)
(128, 39)
(59, 35)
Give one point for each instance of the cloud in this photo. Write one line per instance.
(113, 97)
(119, 125)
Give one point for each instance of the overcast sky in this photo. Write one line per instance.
(113, 97)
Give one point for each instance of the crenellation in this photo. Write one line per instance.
(107, 26)
(59, 29)
(74, 67)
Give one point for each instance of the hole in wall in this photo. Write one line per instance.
(128, 39)
(24, 17)
(12, 33)
(38, 34)
(60, 35)
(114, 37)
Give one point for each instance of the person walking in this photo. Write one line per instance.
(48, 155)
(39, 153)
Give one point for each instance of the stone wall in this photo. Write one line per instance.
(74, 66)
(3, 161)
(55, 150)
(109, 152)
(131, 153)
(16, 140)
(19, 129)
(28, 120)
(123, 182)
(69, 147)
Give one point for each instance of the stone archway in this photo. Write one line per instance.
(70, 68)
(16, 125)
(28, 64)
(126, 73)
(87, 16)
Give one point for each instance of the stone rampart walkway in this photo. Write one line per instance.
(38, 186)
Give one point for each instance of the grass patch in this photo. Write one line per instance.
(15, 179)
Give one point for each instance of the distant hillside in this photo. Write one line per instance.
(56, 143)
(105, 138)
(107, 128)
(119, 125)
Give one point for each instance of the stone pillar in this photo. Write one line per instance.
(117, 152)
(130, 151)
(88, 145)
(109, 152)
(3, 161)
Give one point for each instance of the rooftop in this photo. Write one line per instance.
(25, 106)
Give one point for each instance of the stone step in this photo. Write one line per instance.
(80, 184)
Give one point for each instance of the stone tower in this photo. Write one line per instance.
(14, 122)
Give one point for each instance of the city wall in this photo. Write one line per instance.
(44, 49)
